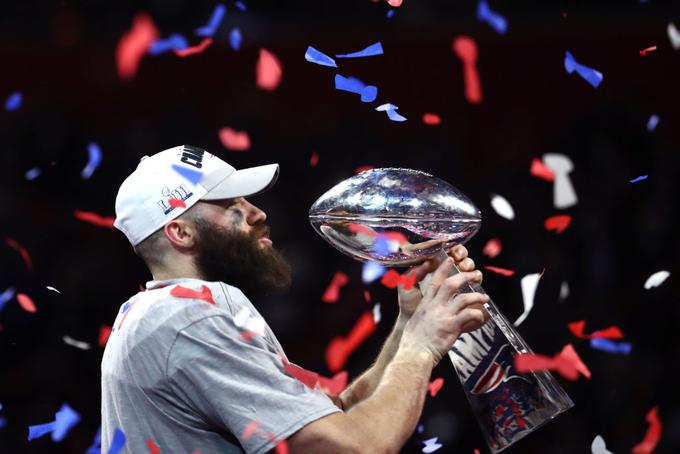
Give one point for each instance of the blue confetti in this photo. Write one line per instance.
(172, 42)
(316, 56)
(125, 307)
(235, 39)
(95, 158)
(40, 429)
(192, 175)
(390, 13)
(13, 101)
(353, 85)
(484, 14)
(118, 442)
(7, 295)
(370, 51)
(610, 346)
(391, 110)
(3, 422)
(592, 76)
(240, 5)
(95, 448)
(213, 24)
(371, 271)
(66, 419)
(652, 122)
(431, 445)
(32, 174)
(420, 428)
(640, 178)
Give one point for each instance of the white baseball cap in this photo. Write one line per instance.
(165, 185)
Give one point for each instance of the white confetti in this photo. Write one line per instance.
(599, 447)
(564, 195)
(76, 343)
(245, 320)
(656, 279)
(431, 445)
(673, 35)
(564, 291)
(502, 207)
(529, 284)
(376, 313)
(371, 271)
(53, 289)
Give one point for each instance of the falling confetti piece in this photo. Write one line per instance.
(95, 448)
(368, 93)
(332, 292)
(435, 385)
(598, 446)
(307, 377)
(529, 284)
(13, 101)
(94, 218)
(497, 22)
(363, 169)
(392, 279)
(32, 174)
(65, 419)
(197, 49)
(268, 71)
(172, 42)
(26, 302)
(391, 111)
(607, 345)
(557, 223)
(653, 435)
(241, 6)
(646, 50)
(502, 207)
(538, 169)
(213, 24)
(182, 292)
(567, 363)
(313, 55)
(118, 442)
(492, 248)
(656, 279)
(335, 385)
(340, 348)
(431, 445)
(104, 334)
(377, 315)
(134, 44)
(431, 119)
(673, 35)
(503, 271)
(94, 159)
(250, 322)
(235, 39)
(153, 448)
(640, 178)
(367, 296)
(577, 328)
(564, 195)
(25, 256)
(564, 291)
(395, 3)
(390, 13)
(191, 175)
(314, 159)
(371, 271)
(176, 203)
(466, 49)
(590, 75)
(652, 122)
(370, 51)
(68, 340)
(6, 296)
(250, 429)
(234, 140)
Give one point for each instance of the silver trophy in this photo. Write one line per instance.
(398, 217)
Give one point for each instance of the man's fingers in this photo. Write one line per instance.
(469, 319)
(458, 252)
(467, 264)
(454, 283)
(464, 300)
(438, 277)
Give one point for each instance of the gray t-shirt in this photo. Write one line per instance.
(191, 365)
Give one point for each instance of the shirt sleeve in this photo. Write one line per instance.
(236, 384)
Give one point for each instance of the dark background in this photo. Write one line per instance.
(61, 56)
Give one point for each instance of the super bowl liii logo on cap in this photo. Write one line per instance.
(192, 156)
(179, 193)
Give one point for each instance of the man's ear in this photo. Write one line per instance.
(180, 233)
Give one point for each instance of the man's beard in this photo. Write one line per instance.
(238, 258)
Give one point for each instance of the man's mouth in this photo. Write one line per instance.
(265, 240)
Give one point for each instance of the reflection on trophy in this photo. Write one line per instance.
(399, 217)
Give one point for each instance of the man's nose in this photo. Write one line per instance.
(255, 214)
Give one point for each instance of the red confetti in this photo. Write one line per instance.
(431, 119)
(362, 169)
(392, 279)
(653, 435)
(182, 292)
(435, 385)
(176, 203)
(576, 328)
(567, 363)
(268, 71)
(104, 334)
(200, 47)
(558, 223)
(250, 429)
(335, 385)
(248, 335)
(395, 3)
(282, 447)
(314, 159)
(540, 170)
(309, 378)
(134, 44)
(234, 140)
(492, 248)
(332, 293)
(644, 52)
(394, 236)
(26, 302)
(94, 218)
(360, 228)
(339, 348)
(476, 451)
(22, 251)
(153, 448)
(502, 271)
(466, 49)
(367, 296)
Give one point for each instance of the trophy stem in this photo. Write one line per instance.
(508, 405)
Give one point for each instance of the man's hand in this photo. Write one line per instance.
(409, 299)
